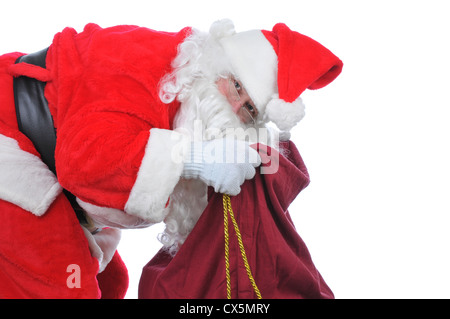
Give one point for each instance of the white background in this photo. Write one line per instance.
(376, 141)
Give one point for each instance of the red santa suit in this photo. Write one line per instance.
(113, 149)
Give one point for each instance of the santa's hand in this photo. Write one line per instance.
(222, 163)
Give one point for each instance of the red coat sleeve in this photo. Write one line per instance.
(114, 144)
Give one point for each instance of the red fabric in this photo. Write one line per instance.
(303, 63)
(104, 98)
(35, 253)
(102, 92)
(278, 257)
(113, 281)
(102, 89)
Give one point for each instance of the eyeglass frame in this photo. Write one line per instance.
(235, 93)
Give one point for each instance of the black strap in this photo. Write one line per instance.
(33, 115)
(35, 120)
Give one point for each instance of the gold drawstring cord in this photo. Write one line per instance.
(228, 209)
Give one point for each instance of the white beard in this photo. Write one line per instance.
(207, 107)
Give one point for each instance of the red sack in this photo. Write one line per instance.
(279, 259)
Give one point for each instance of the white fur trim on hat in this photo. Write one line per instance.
(284, 114)
(255, 63)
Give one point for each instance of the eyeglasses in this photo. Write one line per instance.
(247, 110)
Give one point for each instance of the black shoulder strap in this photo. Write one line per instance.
(33, 115)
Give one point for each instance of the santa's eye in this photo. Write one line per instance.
(237, 85)
(251, 109)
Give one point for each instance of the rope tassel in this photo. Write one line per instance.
(227, 209)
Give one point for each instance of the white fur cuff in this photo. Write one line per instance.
(160, 171)
(111, 217)
(24, 179)
(103, 245)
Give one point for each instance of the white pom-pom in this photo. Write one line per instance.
(284, 136)
(222, 28)
(284, 114)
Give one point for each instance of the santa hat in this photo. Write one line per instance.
(276, 66)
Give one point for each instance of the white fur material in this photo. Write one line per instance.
(255, 63)
(111, 217)
(24, 179)
(187, 203)
(160, 171)
(103, 245)
(285, 115)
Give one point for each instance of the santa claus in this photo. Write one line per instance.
(137, 127)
